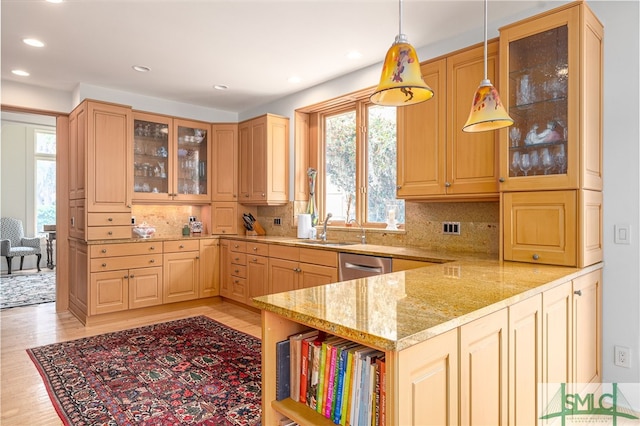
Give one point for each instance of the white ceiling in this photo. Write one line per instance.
(253, 47)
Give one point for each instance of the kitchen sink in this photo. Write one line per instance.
(329, 243)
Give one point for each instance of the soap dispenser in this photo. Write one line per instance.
(185, 230)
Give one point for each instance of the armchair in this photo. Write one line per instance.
(13, 242)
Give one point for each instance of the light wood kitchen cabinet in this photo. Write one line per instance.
(99, 175)
(264, 160)
(551, 66)
(292, 268)
(124, 276)
(553, 227)
(436, 159)
(257, 277)
(181, 263)
(225, 268)
(171, 159)
(224, 142)
(224, 217)
(78, 276)
(525, 360)
(209, 268)
(237, 271)
(484, 370)
(587, 328)
(428, 373)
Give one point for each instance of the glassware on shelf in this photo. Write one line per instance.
(535, 160)
(547, 160)
(515, 163)
(525, 163)
(515, 135)
(392, 211)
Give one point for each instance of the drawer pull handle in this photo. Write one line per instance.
(197, 257)
(109, 233)
(152, 261)
(104, 250)
(535, 257)
(224, 231)
(255, 249)
(255, 259)
(578, 292)
(236, 271)
(237, 258)
(181, 246)
(104, 265)
(152, 248)
(110, 219)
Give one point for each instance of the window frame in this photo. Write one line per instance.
(310, 153)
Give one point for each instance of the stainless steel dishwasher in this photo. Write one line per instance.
(354, 266)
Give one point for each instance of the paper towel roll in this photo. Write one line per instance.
(304, 225)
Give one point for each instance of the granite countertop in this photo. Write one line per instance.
(395, 311)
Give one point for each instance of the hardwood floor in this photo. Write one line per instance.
(23, 397)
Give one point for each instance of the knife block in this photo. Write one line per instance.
(257, 230)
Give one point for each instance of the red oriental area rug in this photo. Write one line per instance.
(194, 371)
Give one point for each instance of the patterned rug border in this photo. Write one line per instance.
(200, 320)
(19, 290)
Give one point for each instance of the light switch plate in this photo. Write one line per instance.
(622, 233)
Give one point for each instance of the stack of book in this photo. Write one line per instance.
(342, 380)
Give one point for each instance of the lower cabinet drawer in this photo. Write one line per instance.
(125, 249)
(109, 219)
(238, 270)
(125, 262)
(181, 245)
(108, 232)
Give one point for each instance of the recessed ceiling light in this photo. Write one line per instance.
(294, 79)
(221, 87)
(21, 73)
(354, 54)
(141, 68)
(33, 42)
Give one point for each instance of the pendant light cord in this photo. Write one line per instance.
(485, 38)
(400, 17)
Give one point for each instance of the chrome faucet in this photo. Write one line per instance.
(363, 237)
(323, 236)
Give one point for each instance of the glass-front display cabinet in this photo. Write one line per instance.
(171, 159)
(551, 94)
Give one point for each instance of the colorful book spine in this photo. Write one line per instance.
(336, 413)
(321, 379)
(312, 394)
(283, 370)
(383, 392)
(346, 405)
(332, 354)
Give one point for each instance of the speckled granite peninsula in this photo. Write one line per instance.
(465, 333)
(397, 310)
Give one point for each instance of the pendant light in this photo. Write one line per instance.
(487, 112)
(401, 82)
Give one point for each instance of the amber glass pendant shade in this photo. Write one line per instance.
(487, 111)
(401, 82)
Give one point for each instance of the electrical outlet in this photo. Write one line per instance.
(451, 228)
(622, 356)
(133, 220)
(277, 221)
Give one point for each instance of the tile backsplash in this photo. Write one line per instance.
(479, 223)
(167, 219)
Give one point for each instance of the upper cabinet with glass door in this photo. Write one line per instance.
(171, 159)
(551, 69)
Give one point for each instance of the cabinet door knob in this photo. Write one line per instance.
(255, 259)
(398, 186)
(535, 257)
(447, 184)
(578, 292)
(263, 195)
(126, 277)
(132, 276)
(197, 257)
(104, 250)
(246, 195)
(501, 180)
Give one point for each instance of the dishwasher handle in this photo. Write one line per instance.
(371, 269)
